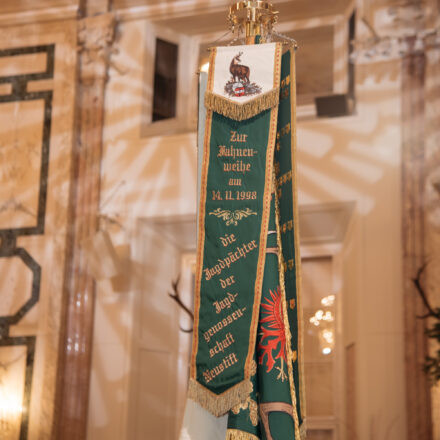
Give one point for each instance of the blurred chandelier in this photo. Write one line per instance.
(319, 316)
(323, 320)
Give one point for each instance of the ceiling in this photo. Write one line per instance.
(209, 12)
(11, 6)
(315, 57)
(212, 11)
(215, 19)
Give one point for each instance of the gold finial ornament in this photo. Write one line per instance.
(256, 17)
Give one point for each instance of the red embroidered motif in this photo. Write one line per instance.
(274, 333)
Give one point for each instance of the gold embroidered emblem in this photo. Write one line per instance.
(232, 217)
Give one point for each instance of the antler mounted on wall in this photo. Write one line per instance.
(176, 297)
(432, 364)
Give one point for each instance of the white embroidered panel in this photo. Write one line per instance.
(242, 73)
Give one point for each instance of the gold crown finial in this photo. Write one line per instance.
(253, 16)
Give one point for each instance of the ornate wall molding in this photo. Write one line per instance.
(95, 38)
(397, 32)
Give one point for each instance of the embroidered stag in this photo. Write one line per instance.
(239, 72)
(239, 83)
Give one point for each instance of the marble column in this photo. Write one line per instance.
(419, 424)
(95, 36)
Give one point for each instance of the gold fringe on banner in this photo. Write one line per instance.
(240, 112)
(235, 434)
(219, 404)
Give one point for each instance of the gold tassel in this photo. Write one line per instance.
(303, 431)
(253, 409)
(219, 404)
(235, 434)
(240, 112)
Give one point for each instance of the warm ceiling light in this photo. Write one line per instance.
(205, 67)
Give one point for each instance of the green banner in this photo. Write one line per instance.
(246, 356)
(280, 405)
(232, 248)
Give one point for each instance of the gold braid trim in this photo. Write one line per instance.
(240, 112)
(235, 434)
(219, 404)
(286, 318)
(297, 241)
(303, 430)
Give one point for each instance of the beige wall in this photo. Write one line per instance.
(358, 158)
(354, 158)
(351, 159)
(142, 178)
